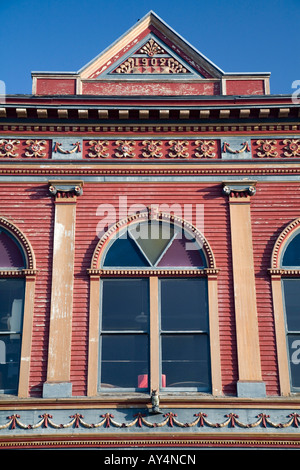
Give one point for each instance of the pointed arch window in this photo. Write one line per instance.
(154, 327)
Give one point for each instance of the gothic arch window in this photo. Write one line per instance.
(17, 270)
(285, 274)
(156, 284)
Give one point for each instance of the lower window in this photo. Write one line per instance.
(291, 289)
(11, 316)
(183, 359)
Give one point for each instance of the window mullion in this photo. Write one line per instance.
(154, 334)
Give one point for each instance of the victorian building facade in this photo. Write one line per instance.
(149, 254)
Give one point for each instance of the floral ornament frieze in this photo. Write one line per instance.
(142, 419)
(292, 147)
(152, 148)
(35, 148)
(125, 148)
(267, 148)
(8, 148)
(205, 149)
(179, 149)
(99, 149)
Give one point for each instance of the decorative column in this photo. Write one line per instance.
(250, 382)
(58, 383)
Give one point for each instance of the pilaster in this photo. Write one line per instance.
(58, 383)
(250, 382)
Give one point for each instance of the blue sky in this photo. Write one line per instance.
(64, 35)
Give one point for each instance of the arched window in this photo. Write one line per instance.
(154, 329)
(17, 275)
(285, 273)
(12, 290)
(291, 288)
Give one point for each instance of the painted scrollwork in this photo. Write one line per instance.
(140, 419)
(151, 48)
(227, 148)
(292, 147)
(8, 148)
(99, 149)
(36, 148)
(267, 148)
(152, 148)
(205, 149)
(58, 148)
(125, 149)
(179, 148)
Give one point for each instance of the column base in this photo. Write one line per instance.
(251, 389)
(57, 390)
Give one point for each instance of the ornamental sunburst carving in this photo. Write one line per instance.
(179, 149)
(292, 147)
(267, 148)
(152, 148)
(35, 148)
(205, 149)
(99, 149)
(125, 149)
(8, 148)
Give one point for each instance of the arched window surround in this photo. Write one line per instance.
(29, 273)
(278, 273)
(96, 273)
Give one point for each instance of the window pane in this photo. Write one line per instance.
(125, 252)
(153, 238)
(124, 359)
(10, 253)
(183, 252)
(11, 304)
(184, 304)
(291, 256)
(125, 304)
(10, 350)
(291, 288)
(294, 352)
(185, 361)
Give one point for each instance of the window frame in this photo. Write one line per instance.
(96, 273)
(278, 273)
(29, 274)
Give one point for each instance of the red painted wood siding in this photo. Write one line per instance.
(31, 208)
(273, 207)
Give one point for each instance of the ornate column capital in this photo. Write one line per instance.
(65, 191)
(239, 191)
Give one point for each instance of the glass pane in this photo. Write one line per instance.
(11, 304)
(185, 361)
(153, 238)
(124, 360)
(183, 252)
(10, 253)
(10, 350)
(125, 252)
(125, 304)
(291, 256)
(291, 289)
(294, 352)
(184, 304)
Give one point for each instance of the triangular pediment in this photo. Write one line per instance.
(151, 57)
(151, 49)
